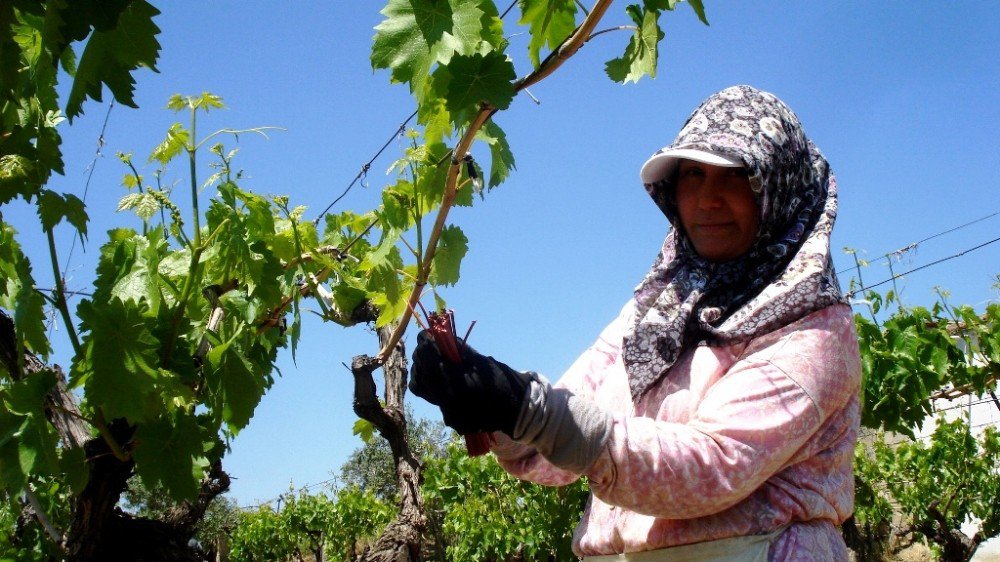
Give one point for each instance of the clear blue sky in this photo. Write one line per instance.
(900, 96)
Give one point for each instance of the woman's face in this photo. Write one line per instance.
(717, 209)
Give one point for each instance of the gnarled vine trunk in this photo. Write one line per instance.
(401, 539)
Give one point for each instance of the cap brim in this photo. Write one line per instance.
(663, 163)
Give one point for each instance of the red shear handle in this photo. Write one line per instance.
(442, 328)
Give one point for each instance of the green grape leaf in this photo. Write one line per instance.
(206, 101)
(343, 227)
(502, 162)
(434, 116)
(176, 142)
(68, 61)
(27, 396)
(17, 294)
(452, 247)
(73, 464)
(364, 429)
(415, 34)
(119, 358)
(147, 207)
(471, 80)
(699, 8)
(129, 201)
(239, 388)
(37, 446)
(171, 452)
(242, 224)
(53, 208)
(640, 56)
(18, 178)
(439, 302)
(112, 54)
(384, 254)
(387, 293)
(491, 27)
(394, 213)
(10, 52)
(346, 299)
(12, 475)
(129, 267)
(432, 176)
(465, 190)
(35, 440)
(549, 23)
(661, 5)
(284, 242)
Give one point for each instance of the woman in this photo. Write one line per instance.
(716, 417)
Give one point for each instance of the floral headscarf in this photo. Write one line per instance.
(787, 274)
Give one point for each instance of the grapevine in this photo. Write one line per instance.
(175, 346)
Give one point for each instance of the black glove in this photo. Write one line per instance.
(480, 394)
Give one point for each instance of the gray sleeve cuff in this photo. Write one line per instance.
(567, 430)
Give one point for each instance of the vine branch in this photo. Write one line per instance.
(554, 60)
(60, 293)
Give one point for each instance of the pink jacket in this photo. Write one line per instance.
(734, 441)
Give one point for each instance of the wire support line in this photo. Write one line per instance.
(509, 8)
(279, 497)
(914, 245)
(965, 405)
(929, 436)
(68, 293)
(925, 266)
(90, 175)
(367, 166)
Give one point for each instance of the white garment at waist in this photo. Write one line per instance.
(753, 548)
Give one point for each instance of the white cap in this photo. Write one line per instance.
(662, 164)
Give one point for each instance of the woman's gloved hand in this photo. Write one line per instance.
(480, 394)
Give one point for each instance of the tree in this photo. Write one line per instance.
(370, 467)
(211, 531)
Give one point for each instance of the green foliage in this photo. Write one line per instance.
(487, 514)
(310, 523)
(549, 23)
(113, 51)
(943, 482)
(164, 348)
(416, 35)
(913, 356)
(27, 442)
(641, 55)
(28, 543)
(178, 342)
(53, 208)
(473, 79)
(448, 257)
(502, 162)
(36, 39)
(917, 352)
(17, 294)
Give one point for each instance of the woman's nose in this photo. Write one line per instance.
(709, 197)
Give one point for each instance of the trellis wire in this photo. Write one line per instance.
(925, 266)
(914, 245)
